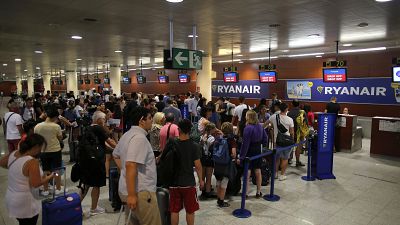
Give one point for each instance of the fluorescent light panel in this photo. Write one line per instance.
(308, 54)
(363, 50)
(225, 61)
(262, 58)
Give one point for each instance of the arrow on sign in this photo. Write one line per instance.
(179, 58)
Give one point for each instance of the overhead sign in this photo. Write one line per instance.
(342, 63)
(267, 67)
(186, 59)
(372, 90)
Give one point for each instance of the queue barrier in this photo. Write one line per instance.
(245, 213)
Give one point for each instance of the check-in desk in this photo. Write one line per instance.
(348, 137)
(385, 136)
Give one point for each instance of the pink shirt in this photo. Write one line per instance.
(173, 132)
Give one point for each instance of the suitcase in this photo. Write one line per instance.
(235, 185)
(266, 171)
(163, 205)
(64, 209)
(113, 195)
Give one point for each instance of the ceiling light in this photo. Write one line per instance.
(38, 52)
(155, 64)
(174, 1)
(38, 68)
(383, 0)
(313, 36)
(307, 54)
(76, 37)
(78, 59)
(225, 61)
(347, 45)
(263, 58)
(4, 74)
(4, 64)
(241, 62)
(117, 51)
(239, 55)
(319, 56)
(17, 60)
(25, 70)
(285, 50)
(191, 35)
(363, 50)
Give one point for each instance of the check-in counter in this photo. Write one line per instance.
(385, 136)
(348, 137)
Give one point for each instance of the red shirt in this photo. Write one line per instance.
(173, 132)
(310, 118)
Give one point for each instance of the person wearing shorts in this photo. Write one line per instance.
(183, 193)
(283, 156)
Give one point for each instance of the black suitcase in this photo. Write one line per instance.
(113, 189)
(265, 171)
(163, 205)
(235, 185)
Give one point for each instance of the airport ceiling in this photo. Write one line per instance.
(140, 29)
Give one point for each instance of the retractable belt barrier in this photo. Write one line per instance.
(245, 213)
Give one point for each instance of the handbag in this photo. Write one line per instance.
(282, 140)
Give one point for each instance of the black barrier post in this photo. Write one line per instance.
(308, 177)
(243, 212)
(271, 197)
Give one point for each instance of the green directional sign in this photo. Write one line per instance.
(186, 59)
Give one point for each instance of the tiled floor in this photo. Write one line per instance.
(366, 191)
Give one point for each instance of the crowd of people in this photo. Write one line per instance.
(135, 133)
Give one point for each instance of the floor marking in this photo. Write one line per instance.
(388, 181)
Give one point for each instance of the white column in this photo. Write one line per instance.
(31, 90)
(72, 82)
(115, 79)
(203, 80)
(19, 85)
(46, 82)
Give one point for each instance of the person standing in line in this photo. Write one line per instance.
(138, 180)
(310, 115)
(173, 131)
(170, 108)
(28, 112)
(24, 179)
(158, 122)
(237, 113)
(333, 106)
(272, 103)
(288, 123)
(183, 193)
(254, 137)
(13, 124)
(294, 113)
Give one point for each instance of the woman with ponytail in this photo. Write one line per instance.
(24, 179)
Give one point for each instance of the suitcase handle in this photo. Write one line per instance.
(65, 181)
(120, 214)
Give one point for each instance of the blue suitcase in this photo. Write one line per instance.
(64, 209)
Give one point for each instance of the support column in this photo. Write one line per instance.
(204, 76)
(31, 90)
(47, 82)
(18, 81)
(72, 82)
(115, 79)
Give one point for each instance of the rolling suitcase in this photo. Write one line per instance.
(65, 209)
(163, 205)
(113, 189)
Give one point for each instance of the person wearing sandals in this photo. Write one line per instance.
(254, 136)
(24, 179)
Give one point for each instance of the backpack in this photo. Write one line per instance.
(168, 165)
(195, 134)
(221, 151)
(302, 125)
(88, 147)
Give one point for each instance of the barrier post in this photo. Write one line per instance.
(308, 177)
(271, 197)
(243, 212)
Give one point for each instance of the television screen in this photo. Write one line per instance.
(184, 78)
(126, 80)
(87, 81)
(106, 80)
(97, 81)
(80, 81)
(163, 79)
(141, 79)
(231, 77)
(59, 82)
(267, 76)
(333, 75)
(396, 74)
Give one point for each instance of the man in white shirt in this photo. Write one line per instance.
(138, 180)
(28, 110)
(13, 123)
(288, 123)
(192, 105)
(237, 113)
